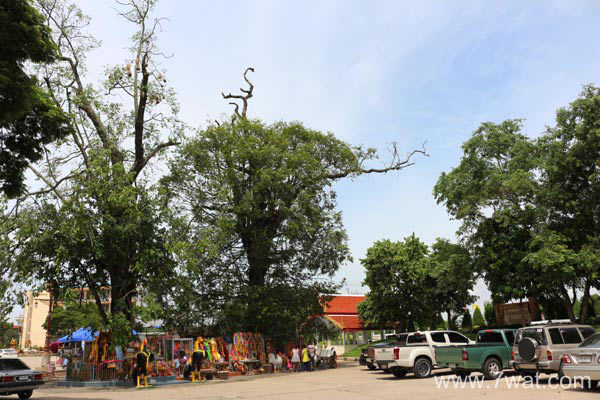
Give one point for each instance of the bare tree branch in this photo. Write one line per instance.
(396, 164)
(244, 98)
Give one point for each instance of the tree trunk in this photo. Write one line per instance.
(121, 294)
(585, 301)
(568, 305)
(450, 322)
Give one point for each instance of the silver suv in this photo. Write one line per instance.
(539, 347)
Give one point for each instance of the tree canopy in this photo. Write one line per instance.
(528, 207)
(410, 285)
(256, 224)
(29, 119)
(95, 220)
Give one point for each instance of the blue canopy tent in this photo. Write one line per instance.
(82, 335)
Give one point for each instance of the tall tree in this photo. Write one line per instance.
(466, 322)
(95, 221)
(495, 192)
(396, 274)
(453, 272)
(255, 213)
(489, 313)
(478, 320)
(28, 118)
(570, 161)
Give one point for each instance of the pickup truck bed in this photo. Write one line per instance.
(489, 358)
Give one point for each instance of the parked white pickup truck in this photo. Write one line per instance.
(382, 356)
(418, 355)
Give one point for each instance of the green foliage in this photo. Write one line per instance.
(478, 320)
(492, 193)
(529, 207)
(255, 218)
(96, 221)
(452, 270)
(7, 333)
(72, 315)
(466, 321)
(397, 275)
(28, 117)
(490, 313)
(411, 285)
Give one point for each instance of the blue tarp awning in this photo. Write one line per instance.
(82, 335)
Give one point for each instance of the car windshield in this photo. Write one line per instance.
(591, 341)
(11, 364)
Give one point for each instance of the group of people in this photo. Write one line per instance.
(299, 359)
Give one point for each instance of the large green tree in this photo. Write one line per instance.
(28, 117)
(93, 219)
(492, 192)
(529, 207)
(255, 222)
(400, 288)
(570, 177)
(452, 270)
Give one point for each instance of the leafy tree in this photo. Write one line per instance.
(28, 118)
(454, 277)
(478, 320)
(7, 333)
(495, 192)
(95, 221)
(466, 322)
(492, 193)
(71, 314)
(255, 222)
(490, 313)
(572, 190)
(395, 273)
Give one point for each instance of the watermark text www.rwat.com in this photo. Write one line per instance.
(510, 382)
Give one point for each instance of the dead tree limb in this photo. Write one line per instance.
(243, 97)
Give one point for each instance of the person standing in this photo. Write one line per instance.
(312, 352)
(305, 358)
(295, 358)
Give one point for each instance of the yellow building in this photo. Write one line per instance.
(36, 311)
(34, 315)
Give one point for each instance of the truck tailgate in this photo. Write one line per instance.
(384, 354)
(448, 355)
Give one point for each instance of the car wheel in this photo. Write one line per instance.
(399, 372)
(492, 368)
(371, 367)
(422, 368)
(589, 384)
(25, 394)
(386, 371)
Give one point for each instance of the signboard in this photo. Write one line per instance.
(517, 313)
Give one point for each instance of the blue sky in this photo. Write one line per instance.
(373, 73)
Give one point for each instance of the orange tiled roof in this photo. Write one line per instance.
(347, 305)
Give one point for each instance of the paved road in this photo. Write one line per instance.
(352, 383)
